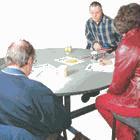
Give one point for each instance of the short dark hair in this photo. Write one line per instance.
(95, 3)
(128, 17)
(19, 53)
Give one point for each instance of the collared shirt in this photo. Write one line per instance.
(104, 33)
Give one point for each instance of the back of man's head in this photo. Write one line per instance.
(19, 52)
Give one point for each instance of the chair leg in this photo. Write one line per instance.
(113, 128)
(137, 136)
(65, 134)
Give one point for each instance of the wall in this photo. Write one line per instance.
(48, 23)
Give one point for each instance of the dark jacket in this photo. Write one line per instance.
(30, 105)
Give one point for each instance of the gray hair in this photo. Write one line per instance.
(19, 53)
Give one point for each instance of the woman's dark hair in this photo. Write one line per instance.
(128, 17)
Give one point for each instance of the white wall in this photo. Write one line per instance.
(48, 23)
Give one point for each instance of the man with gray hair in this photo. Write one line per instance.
(28, 109)
(100, 31)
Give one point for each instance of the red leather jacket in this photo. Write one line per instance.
(125, 85)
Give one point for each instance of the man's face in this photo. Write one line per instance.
(96, 13)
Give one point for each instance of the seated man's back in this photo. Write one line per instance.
(27, 103)
(15, 133)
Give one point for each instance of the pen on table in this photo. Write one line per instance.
(89, 67)
(86, 57)
(106, 49)
(39, 73)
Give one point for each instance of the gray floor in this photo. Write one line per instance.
(91, 124)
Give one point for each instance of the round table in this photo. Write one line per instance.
(82, 81)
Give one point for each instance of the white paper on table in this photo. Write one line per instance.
(49, 76)
(101, 68)
(69, 60)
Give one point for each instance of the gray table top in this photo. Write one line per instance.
(83, 81)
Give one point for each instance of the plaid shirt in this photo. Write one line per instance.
(104, 33)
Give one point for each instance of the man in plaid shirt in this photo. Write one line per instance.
(100, 31)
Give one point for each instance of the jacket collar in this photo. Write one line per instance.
(13, 71)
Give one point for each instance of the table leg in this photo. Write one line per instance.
(67, 103)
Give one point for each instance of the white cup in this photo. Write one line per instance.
(62, 70)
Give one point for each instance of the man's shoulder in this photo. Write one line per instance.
(89, 20)
(107, 18)
(38, 86)
(41, 91)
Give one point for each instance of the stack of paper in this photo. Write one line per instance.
(48, 75)
(96, 66)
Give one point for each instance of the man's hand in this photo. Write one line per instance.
(97, 46)
(103, 61)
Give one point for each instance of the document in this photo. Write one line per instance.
(96, 66)
(49, 76)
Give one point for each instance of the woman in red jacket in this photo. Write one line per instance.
(123, 95)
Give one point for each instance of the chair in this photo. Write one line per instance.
(2, 63)
(131, 122)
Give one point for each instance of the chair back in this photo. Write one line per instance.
(131, 122)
